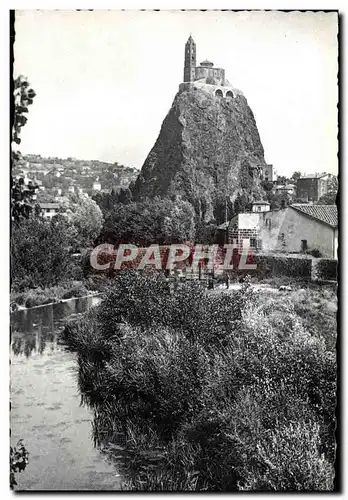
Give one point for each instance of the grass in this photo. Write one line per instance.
(212, 392)
(68, 289)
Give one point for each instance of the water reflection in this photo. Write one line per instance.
(45, 405)
(34, 330)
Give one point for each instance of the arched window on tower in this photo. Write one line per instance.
(229, 94)
(219, 93)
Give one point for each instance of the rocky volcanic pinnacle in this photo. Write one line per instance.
(208, 149)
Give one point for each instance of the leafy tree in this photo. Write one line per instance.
(332, 183)
(295, 176)
(241, 204)
(125, 196)
(223, 210)
(267, 185)
(18, 461)
(278, 200)
(157, 220)
(23, 97)
(84, 217)
(22, 195)
(282, 179)
(107, 201)
(39, 252)
(206, 233)
(328, 199)
(332, 188)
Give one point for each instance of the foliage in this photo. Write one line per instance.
(280, 265)
(39, 296)
(84, 219)
(22, 195)
(278, 200)
(223, 210)
(241, 204)
(325, 269)
(315, 253)
(108, 201)
(157, 220)
(330, 198)
(23, 97)
(267, 185)
(18, 461)
(332, 183)
(225, 391)
(40, 252)
(22, 199)
(295, 176)
(206, 233)
(282, 179)
(317, 308)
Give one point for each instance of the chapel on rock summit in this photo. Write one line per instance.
(205, 77)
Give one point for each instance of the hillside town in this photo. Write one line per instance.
(56, 177)
(312, 195)
(174, 326)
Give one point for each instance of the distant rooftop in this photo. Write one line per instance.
(313, 176)
(207, 63)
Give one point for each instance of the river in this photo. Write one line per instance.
(45, 405)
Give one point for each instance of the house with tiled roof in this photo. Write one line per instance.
(327, 214)
(301, 229)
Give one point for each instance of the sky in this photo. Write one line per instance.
(106, 79)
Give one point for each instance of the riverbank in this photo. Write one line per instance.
(35, 297)
(45, 405)
(201, 385)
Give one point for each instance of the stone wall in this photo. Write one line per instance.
(227, 91)
(216, 73)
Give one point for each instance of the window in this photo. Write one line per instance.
(304, 245)
(219, 93)
(253, 242)
(259, 209)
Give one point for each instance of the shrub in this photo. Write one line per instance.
(225, 391)
(315, 253)
(18, 461)
(325, 269)
(39, 253)
(78, 290)
(287, 458)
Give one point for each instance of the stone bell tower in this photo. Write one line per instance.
(190, 60)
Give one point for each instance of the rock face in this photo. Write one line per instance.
(208, 149)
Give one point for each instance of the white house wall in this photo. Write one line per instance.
(289, 226)
(249, 221)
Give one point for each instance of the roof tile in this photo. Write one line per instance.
(323, 213)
